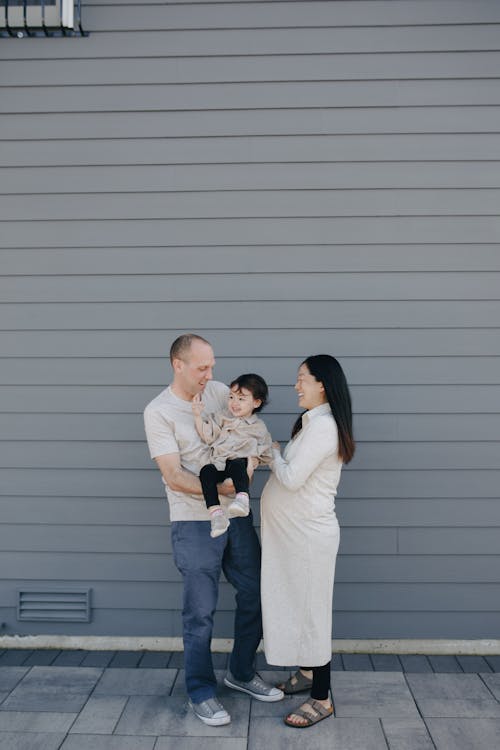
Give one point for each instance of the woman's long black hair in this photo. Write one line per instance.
(326, 370)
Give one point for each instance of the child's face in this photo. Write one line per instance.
(241, 402)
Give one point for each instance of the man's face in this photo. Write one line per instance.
(194, 371)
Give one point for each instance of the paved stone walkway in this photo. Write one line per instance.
(76, 700)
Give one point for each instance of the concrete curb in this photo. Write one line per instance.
(439, 646)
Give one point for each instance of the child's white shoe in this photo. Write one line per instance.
(240, 506)
(219, 522)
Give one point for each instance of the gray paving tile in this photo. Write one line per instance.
(56, 702)
(494, 662)
(30, 741)
(136, 682)
(100, 715)
(42, 658)
(277, 709)
(273, 677)
(57, 689)
(260, 662)
(126, 659)
(386, 663)
(101, 742)
(171, 716)
(415, 663)
(465, 734)
(176, 661)
(33, 721)
(493, 683)
(155, 660)
(221, 661)
(443, 664)
(337, 663)
(372, 694)
(3, 696)
(10, 676)
(453, 695)
(348, 734)
(218, 660)
(14, 657)
(179, 686)
(69, 659)
(67, 679)
(100, 659)
(357, 663)
(201, 743)
(471, 664)
(407, 734)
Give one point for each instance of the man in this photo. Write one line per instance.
(179, 453)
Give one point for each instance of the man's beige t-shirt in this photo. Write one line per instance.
(170, 428)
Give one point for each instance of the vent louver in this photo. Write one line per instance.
(54, 606)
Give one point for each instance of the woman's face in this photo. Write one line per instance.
(310, 391)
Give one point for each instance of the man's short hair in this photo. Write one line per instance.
(181, 346)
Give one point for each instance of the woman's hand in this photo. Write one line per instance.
(197, 405)
(276, 446)
(252, 463)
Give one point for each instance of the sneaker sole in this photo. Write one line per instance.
(212, 722)
(257, 696)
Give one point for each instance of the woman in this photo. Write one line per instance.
(300, 536)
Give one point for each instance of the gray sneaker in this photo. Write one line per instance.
(218, 523)
(256, 687)
(211, 712)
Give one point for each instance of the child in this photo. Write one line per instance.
(233, 439)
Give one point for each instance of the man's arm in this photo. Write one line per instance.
(180, 480)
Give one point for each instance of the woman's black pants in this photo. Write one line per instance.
(321, 681)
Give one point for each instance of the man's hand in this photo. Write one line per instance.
(197, 405)
(226, 488)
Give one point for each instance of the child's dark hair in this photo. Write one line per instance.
(256, 385)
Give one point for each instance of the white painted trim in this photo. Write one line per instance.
(483, 647)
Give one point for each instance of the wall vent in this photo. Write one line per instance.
(49, 18)
(63, 605)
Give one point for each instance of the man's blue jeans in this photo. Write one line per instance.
(200, 560)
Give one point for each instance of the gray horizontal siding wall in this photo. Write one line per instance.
(285, 178)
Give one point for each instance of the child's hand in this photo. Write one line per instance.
(276, 446)
(197, 405)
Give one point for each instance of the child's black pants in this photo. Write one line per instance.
(210, 477)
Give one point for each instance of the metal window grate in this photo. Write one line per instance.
(27, 18)
(54, 606)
